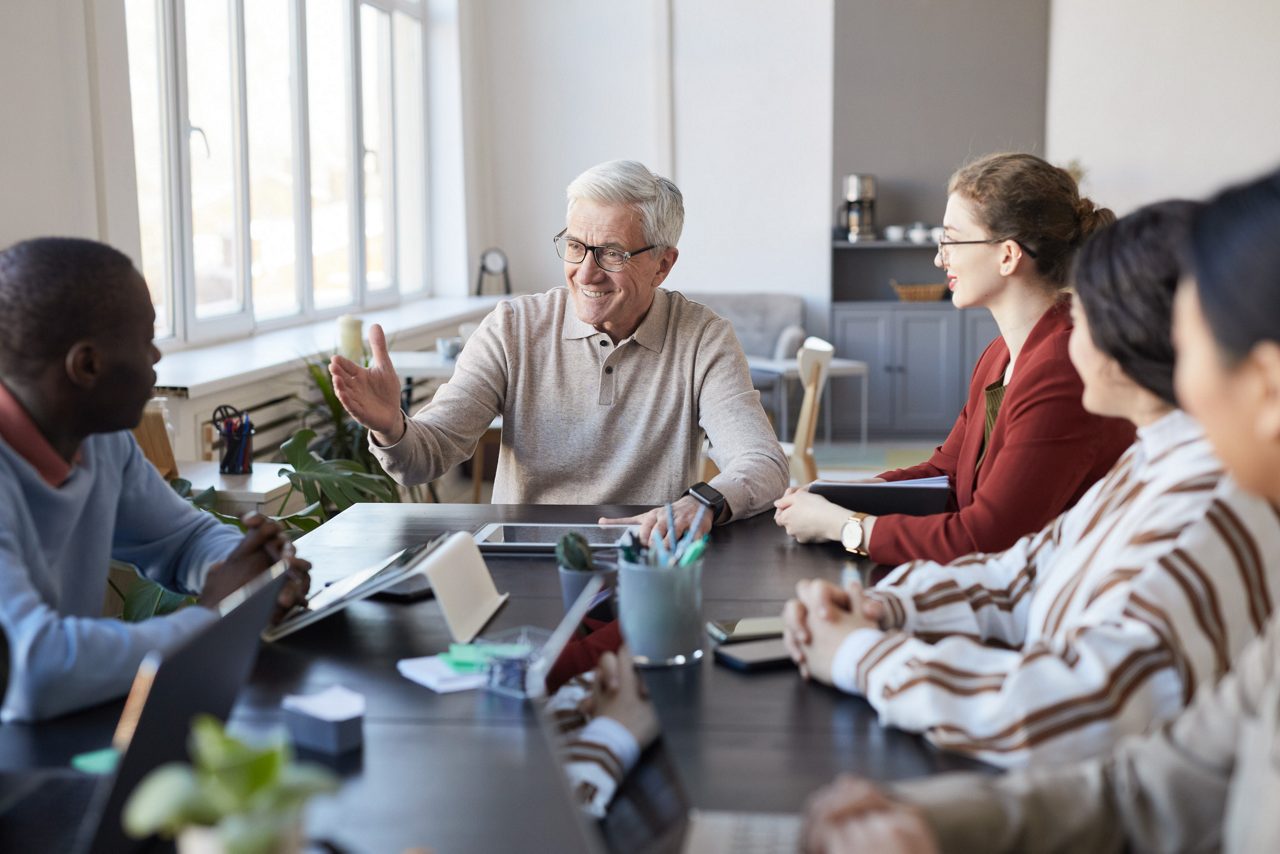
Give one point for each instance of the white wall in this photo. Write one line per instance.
(46, 148)
(554, 87)
(736, 92)
(1161, 98)
(753, 138)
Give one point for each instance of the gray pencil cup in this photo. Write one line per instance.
(661, 612)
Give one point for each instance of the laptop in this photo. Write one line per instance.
(202, 675)
(651, 811)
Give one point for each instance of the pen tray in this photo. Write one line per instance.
(509, 655)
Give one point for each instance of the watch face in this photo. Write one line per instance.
(708, 495)
(851, 535)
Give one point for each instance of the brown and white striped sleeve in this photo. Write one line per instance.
(1129, 652)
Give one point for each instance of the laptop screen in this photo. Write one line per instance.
(203, 675)
(650, 808)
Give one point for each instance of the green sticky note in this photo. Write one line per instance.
(464, 658)
(96, 761)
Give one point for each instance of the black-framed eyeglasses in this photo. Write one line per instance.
(608, 258)
(943, 244)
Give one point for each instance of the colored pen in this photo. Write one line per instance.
(694, 552)
(671, 526)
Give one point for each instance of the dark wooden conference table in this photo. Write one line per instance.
(471, 771)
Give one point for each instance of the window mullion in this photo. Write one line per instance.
(184, 267)
(356, 148)
(243, 248)
(428, 246)
(170, 168)
(304, 269)
(391, 180)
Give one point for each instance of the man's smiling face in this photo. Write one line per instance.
(614, 303)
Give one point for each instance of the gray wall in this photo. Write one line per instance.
(921, 86)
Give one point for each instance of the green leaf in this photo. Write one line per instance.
(254, 795)
(147, 599)
(167, 799)
(205, 500)
(337, 483)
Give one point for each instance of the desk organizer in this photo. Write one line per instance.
(508, 656)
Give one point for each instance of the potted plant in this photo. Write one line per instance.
(576, 565)
(233, 798)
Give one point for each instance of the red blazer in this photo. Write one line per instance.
(1044, 453)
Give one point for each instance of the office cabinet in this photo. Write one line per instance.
(919, 357)
(867, 337)
(926, 392)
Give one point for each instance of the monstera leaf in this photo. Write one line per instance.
(335, 484)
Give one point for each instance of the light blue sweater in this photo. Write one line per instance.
(55, 547)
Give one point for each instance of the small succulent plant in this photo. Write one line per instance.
(573, 552)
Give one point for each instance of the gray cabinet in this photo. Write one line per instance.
(867, 337)
(926, 396)
(919, 358)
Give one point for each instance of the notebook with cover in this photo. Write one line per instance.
(920, 497)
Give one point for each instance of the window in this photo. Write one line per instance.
(281, 158)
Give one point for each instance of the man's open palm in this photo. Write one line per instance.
(372, 394)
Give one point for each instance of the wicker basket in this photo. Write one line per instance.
(920, 293)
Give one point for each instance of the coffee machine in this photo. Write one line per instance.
(860, 207)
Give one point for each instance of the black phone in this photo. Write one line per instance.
(754, 655)
(746, 629)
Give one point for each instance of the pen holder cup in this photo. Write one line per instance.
(572, 581)
(237, 453)
(660, 609)
(508, 656)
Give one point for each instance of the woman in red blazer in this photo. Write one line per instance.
(1012, 224)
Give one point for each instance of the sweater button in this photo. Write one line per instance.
(604, 342)
(609, 370)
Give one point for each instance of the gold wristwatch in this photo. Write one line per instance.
(853, 537)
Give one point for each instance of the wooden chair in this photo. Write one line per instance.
(814, 358)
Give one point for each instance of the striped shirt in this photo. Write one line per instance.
(1095, 627)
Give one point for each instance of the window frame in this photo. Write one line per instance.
(186, 328)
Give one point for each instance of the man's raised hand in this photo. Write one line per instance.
(372, 394)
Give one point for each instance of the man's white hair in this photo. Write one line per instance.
(627, 182)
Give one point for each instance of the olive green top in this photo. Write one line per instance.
(995, 397)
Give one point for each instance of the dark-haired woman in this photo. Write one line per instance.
(1023, 449)
(1208, 781)
(1111, 616)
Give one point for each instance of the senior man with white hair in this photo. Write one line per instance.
(606, 386)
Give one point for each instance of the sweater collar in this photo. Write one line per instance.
(650, 334)
(21, 433)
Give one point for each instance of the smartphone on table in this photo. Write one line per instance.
(746, 629)
(754, 655)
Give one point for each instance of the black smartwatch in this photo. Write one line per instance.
(711, 498)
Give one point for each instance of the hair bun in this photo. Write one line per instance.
(1092, 217)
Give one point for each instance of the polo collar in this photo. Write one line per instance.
(21, 433)
(650, 334)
